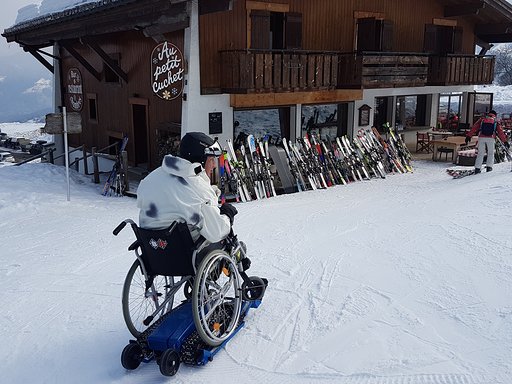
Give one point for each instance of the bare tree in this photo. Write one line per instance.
(503, 67)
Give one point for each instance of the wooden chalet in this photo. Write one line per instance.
(155, 69)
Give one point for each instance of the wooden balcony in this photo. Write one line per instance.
(382, 70)
(253, 71)
(272, 71)
(460, 70)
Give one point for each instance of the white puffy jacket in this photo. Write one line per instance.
(181, 190)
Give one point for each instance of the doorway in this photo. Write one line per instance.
(140, 133)
(382, 113)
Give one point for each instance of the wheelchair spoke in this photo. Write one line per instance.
(142, 306)
(216, 301)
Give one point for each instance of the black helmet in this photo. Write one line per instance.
(196, 146)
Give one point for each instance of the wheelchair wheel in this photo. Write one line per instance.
(216, 298)
(142, 307)
(169, 362)
(132, 356)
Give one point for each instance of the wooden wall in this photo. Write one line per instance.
(114, 110)
(328, 25)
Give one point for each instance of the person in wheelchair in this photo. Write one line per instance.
(180, 190)
(183, 233)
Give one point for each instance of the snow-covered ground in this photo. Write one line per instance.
(31, 131)
(402, 280)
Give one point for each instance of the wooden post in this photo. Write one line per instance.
(124, 157)
(77, 164)
(96, 169)
(51, 155)
(84, 154)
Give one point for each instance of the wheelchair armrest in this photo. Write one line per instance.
(134, 245)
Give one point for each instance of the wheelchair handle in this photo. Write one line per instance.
(121, 226)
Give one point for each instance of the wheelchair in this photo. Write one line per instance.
(211, 278)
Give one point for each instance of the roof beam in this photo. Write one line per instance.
(166, 24)
(463, 10)
(107, 59)
(494, 33)
(81, 60)
(493, 29)
(485, 46)
(41, 59)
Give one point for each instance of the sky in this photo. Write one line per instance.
(7, 19)
(402, 280)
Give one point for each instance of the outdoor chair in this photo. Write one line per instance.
(423, 142)
(446, 151)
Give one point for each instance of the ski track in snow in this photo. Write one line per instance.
(380, 282)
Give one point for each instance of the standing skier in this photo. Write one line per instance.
(180, 190)
(487, 128)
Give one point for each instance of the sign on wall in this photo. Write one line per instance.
(167, 68)
(74, 91)
(364, 115)
(55, 124)
(215, 122)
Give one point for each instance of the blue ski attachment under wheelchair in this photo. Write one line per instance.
(175, 340)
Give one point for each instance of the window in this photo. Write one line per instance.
(93, 107)
(109, 75)
(260, 123)
(442, 39)
(381, 114)
(482, 105)
(449, 110)
(322, 120)
(374, 35)
(276, 30)
(410, 111)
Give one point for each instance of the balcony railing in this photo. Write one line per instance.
(460, 70)
(383, 70)
(268, 71)
(250, 71)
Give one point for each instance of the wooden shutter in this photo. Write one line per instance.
(293, 32)
(260, 29)
(430, 39)
(445, 39)
(366, 32)
(386, 36)
(457, 40)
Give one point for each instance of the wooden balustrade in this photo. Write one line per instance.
(251, 71)
(270, 71)
(461, 70)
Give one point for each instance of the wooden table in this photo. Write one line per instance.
(443, 134)
(454, 142)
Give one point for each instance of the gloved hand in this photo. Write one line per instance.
(507, 145)
(228, 210)
(468, 139)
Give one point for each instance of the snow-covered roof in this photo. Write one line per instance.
(32, 16)
(492, 18)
